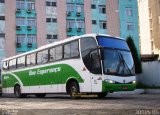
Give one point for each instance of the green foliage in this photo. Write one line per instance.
(136, 57)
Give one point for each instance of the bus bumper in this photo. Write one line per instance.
(112, 87)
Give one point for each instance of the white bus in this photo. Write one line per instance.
(91, 63)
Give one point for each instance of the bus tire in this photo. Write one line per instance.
(17, 92)
(102, 95)
(73, 89)
(41, 95)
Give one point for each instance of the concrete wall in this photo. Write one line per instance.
(151, 74)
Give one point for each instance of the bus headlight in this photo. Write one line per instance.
(134, 81)
(110, 81)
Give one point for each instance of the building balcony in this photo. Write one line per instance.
(25, 13)
(26, 29)
(74, 14)
(26, 47)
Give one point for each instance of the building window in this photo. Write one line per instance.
(2, 44)
(79, 8)
(1, 1)
(31, 5)
(31, 22)
(70, 23)
(51, 3)
(70, 1)
(20, 21)
(54, 20)
(80, 23)
(20, 39)
(102, 9)
(20, 4)
(31, 39)
(70, 7)
(129, 26)
(129, 11)
(93, 6)
(102, 25)
(94, 22)
(49, 36)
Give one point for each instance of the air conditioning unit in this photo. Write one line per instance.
(78, 13)
(68, 13)
(29, 28)
(29, 45)
(69, 29)
(18, 27)
(29, 10)
(18, 45)
(79, 29)
(18, 10)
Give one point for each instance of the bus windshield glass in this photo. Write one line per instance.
(117, 57)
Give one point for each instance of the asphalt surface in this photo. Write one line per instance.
(112, 104)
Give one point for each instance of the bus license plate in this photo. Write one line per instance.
(125, 88)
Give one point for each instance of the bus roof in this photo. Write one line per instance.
(58, 43)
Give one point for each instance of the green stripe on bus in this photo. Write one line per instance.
(108, 87)
(54, 74)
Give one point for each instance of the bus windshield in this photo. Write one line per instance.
(118, 62)
(117, 56)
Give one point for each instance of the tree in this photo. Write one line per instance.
(136, 57)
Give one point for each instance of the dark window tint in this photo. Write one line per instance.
(48, 20)
(71, 50)
(21, 62)
(93, 6)
(94, 22)
(53, 3)
(1, 1)
(90, 54)
(12, 64)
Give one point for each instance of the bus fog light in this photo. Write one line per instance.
(134, 81)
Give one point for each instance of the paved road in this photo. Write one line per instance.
(58, 104)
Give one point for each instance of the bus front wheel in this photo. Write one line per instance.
(17, 92)
(74, 89)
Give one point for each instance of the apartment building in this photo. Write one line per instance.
(29, 24)
(149, 23)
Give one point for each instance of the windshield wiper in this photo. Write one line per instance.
(124, 63)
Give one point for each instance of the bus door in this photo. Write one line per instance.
(96, 72)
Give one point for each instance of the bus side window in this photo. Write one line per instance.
(5, 65)
(44, 56)
(52, 54)
(58, 52)
(31, 59)
(21, 62)
(39, 57)
(71, 50)
(12, 64)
